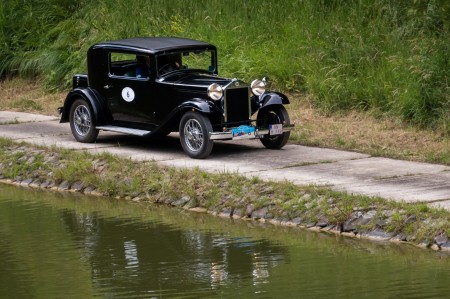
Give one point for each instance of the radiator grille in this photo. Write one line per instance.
(237, 105)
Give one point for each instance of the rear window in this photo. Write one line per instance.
(121, 57)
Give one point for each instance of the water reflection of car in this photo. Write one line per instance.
(181, 92)
(130, 255)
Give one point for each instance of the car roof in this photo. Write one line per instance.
(154, 44)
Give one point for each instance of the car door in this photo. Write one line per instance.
(128, 94)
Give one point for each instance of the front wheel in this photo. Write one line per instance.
(269, 116)
(194, 135)
(82, 122)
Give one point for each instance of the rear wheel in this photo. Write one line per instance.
(194, 135)
(82, 122)
(269, 116)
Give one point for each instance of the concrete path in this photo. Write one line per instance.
(341, 170)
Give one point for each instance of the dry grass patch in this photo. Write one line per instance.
(362, 132)
(355, 131)
(29, 96)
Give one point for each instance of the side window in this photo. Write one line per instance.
(129, 65)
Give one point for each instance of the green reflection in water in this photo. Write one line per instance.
(69, 245)
(37, 258)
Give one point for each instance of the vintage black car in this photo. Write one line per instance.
(155, 86)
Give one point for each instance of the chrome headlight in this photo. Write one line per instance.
(215, 91)
(258, 87)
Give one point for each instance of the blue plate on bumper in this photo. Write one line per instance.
(243, 131)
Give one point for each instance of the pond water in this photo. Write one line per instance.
(56, 245)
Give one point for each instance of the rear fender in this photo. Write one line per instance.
(94, 101)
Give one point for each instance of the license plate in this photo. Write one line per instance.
(276, 129)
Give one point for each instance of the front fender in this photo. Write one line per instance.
(272, 98)
(93, 99)
(198, 104)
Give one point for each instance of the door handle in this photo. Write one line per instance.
(107, 86)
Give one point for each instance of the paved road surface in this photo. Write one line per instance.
(341, 170)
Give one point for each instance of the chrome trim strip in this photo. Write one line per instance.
(220, 135)
(124, 130)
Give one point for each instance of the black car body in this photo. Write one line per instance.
(154, 86)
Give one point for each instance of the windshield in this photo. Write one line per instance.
(186, 60)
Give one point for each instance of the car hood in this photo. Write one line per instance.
(198, 80)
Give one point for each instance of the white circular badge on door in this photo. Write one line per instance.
(128, 94)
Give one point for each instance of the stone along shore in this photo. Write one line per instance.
(309, 208)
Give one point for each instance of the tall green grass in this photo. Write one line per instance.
(390, 57)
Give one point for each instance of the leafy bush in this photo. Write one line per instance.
(384, 56)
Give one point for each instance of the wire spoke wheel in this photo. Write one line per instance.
(194, 135)
(82, 120)
(82, 123)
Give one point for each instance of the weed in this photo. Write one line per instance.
(5, 143)
(25, 105)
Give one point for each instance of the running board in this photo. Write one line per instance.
(124, 130)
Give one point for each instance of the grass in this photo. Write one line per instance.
(123, 178)
(386, 57)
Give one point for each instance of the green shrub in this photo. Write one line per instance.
(385, 56)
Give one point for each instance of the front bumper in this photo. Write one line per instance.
(249, 132)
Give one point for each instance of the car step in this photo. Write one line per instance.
(124, 130)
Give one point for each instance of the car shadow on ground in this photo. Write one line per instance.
(171, 145)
